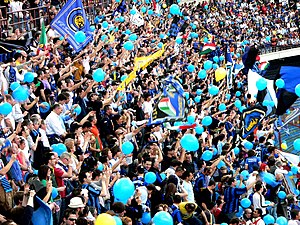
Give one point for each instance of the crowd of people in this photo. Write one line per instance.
(62, 146)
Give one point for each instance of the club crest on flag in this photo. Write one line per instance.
(75, 19)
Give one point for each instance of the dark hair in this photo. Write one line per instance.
(185, 175)
(294, 213)
(96, 173)
(18, 197)
(176, 199)
(118, 207)
(43, 171)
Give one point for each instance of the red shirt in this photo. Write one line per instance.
(58, 172)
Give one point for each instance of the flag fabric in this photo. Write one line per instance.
(208, 48)
(141, 63)
(137, 19)
(43, 37)
(251, 118)
(43, 215)
(71, 19)
(171, 104)
(228, 57)
(122, 8)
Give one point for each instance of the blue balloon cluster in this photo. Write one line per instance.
(189, 142)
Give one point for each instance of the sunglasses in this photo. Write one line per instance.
(72, 219)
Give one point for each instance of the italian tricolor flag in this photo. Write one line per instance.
(166, 106)
(208, 48)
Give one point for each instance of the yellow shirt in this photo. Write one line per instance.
(184, 213)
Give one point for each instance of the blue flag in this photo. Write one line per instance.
(171, 104)
(71, 19)
(228, 57)
(251, 118)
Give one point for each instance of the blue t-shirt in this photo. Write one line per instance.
(251, 162)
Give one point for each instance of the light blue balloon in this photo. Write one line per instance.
(146, 218)
(189, 142)
(268, 219)
(133, 37)
(248, 145)
(178, 40)
(281, 194)
(42, 110)
(221, 164)
(268, 38)
(100, 166)
(297, 90)
(99, 75)
(160, 45)
(207, 155)
(92, 28)
(123, 189)
(197, 99)
(128, 45)
(123, 77)
(59, 148)
(238, 103)
(132, 11)
(261, 84)
(118, 220)
(208, 65)
(162, 36)
(105, 24)
(281, 220)
(191, 119)
(186, 95)
(199, 130)
(121, 19)
(245, 203)
(175, 9)
(127, 147)
(163, 176)
(216, 59)
(20, 94)
(199, 91)
(150, 12)
(238, 184)
(150, 178)
(5, 108)
(222, 107)
(205, 40)
(245, 174)
(162, 218)
(128, 31)
(206, 121)
(296, 144)
(28, 77)
(54, 193)
(77, 110)
(144, 9)
(236, 150)
(222, 58)
(238, 94)
(213, 90)
(215, 66)
(202, 74)
(104, 37)
(80, 36)
(228, 96)
(191, 68)
(13, 86)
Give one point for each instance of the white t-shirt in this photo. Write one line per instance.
(189, 189)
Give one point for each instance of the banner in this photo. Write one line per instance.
(137, 19)
(251, 118)
(71, 19)
(141, 63)
(171, 104)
